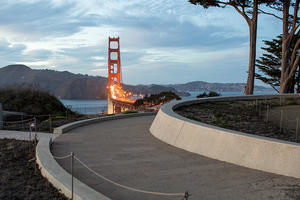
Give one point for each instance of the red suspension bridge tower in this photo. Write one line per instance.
(118, 100)
(114, 65)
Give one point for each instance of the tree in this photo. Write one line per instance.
(269, 64)
(288, 69)
(249, 11)
(156, 99)
(210, 94)
(290, 34)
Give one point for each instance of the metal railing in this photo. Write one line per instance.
(184, 195)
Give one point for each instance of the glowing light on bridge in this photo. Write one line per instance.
(115, 90)
(119, 94)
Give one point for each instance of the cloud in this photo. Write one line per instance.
(161, 41)
(100, 64)
(98, 58)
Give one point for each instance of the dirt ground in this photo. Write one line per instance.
(20, 177)
(259, 118)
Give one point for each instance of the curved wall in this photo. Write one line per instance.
(257, 152)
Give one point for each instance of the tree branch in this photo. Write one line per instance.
(274, 88)
(292, 33)
(267, 13)
(294, 53)
(246, 17)
(295, 17)
(294, 67)
(241, 12)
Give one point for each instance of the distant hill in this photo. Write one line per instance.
(217, 87)
(67, 85)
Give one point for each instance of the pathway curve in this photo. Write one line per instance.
(125, 151)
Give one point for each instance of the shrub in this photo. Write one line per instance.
(210, 94)
(32, 102)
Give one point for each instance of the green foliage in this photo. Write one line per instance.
(292, 102)
(32, 102)
(54, 118)
(244, 5)
(210, 94)
(138, 102)
(269, 64)
(130, 112)
(156, 99)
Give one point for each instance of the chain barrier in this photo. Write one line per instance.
(185, 195)
(264, 109)
(130, 188)
(61, 157)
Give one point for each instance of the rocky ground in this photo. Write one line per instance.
(244, 116)
(20, 177)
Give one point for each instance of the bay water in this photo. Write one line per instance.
(100, 106)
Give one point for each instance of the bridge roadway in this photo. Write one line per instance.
(125, 151)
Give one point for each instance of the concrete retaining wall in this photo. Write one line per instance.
(59, 177)
(262, 153)
(70, 126)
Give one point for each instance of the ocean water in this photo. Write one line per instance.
(100, 106)
(86, 106)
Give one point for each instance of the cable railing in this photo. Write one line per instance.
(274, 112)
(184, 195)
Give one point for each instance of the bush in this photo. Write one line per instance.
(156, 99)
(210, 94)
(32, 102)
(129, 112)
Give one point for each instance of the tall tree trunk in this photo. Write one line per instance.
(298, 80)
(284, 81)
(252, 50)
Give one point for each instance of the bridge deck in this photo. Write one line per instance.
(124, 151)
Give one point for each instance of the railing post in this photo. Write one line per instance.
(30, 129)
(297, 129)
(50, 123)
(186, 195)
(259, 110)
(281, 120)
(267, 117)
(72, 174)
(35, 125)
(1, 116)
(22, 122)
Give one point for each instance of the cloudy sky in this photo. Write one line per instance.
(162, 41)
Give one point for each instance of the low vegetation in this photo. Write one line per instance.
(210, 94)
(19, 174)
(253, 117)
(32, 102)
(156, 99)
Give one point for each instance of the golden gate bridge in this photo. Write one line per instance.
(118, 99)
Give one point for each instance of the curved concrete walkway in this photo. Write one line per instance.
(125, 151)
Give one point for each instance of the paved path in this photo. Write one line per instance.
(125, 151)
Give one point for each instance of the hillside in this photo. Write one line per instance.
(217, 87)
(67, 85)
